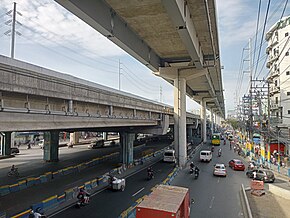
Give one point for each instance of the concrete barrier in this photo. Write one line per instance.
(14, 188)
(30, 181)
(55, 175)
(94, 183)
(37, 206)
(284, 193)
(43, 179)
(48, 176)
(245, 203)
(50, 202)
(24, 214)
(69, 194)
(88, 185)
(4, 190)
(61, 198)
(22, 184)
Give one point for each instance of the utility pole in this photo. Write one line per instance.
(268, 127)
(13, 30)
(251, 96)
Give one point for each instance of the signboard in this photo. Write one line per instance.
(257, 185)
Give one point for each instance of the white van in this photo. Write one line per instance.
(169, 156)
(205, 156)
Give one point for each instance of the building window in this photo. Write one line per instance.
(288, 93)
(287, 73)
(276, 100)
(286, 34)
(276, 82)
(287, 53)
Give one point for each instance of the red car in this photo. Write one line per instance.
(236, 164)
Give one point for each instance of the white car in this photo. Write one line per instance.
(220, 170)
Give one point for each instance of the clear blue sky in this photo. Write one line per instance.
(53, 38)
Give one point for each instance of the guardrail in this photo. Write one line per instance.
(70, 195)
(51, 175)
(245, 203)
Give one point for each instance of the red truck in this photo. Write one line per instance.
(165, 201)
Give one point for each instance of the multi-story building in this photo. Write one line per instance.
(278, 38)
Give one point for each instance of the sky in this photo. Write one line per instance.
(51, 37)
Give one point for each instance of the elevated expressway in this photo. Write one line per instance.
(176, 39)
(37, 99)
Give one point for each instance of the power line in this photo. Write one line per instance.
(138, 78)
(68, 57)
(262, 37)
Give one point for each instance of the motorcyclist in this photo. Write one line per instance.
(150, 172)
(212, 148)
(225, 141)
(196, 171)
(191, 167)
(220, 152)
(83, 196)
(13, 168)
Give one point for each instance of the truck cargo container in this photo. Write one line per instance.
(165, 201)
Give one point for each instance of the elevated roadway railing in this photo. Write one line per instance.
(35, 98)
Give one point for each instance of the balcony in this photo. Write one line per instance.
(274, 106)
(272, 58)
(275, 121)
(274, 89)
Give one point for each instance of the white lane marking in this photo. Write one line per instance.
(138, 192)
(218, 180)
(211, 202)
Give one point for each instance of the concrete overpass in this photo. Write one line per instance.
(176, 39)
(37, 99)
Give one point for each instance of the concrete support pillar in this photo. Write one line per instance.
(211, 120)
(126, 142)
(74, 138)
(51, 142)
(5, 142)
(105, 136)
(180, 119)
(203, 118)
(70, 106)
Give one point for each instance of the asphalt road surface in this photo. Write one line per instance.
(110, 204)
(216, 197)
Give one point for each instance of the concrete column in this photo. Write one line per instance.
(105, 136)
(70, 106)
(180, 119)
(5, 143)
(203, 117)
(51, 142)
(126, 142)
(211, 119)
(74, 138)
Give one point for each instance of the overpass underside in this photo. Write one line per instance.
(176, 39)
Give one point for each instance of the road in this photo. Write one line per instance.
(110, 204)
(214, 196)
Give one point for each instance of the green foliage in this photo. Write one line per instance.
(234, 123)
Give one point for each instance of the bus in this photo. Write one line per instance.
(216, 139)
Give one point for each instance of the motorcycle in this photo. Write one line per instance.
(14, 173)
(150, 175)
(191, 171)
(212, 149)
(196, 174)
(219, 153)
(83, 201)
